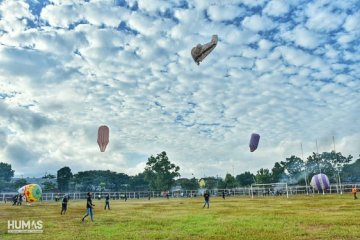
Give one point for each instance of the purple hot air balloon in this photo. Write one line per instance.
(254, 141)
(320, 182)
(103, 137)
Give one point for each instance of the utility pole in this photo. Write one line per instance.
(337, 167)
(302, 156)
(317, 158)
(317, 155)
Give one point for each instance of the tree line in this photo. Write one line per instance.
(160, 174)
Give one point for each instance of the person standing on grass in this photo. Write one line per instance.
(206, 198)
(15, 199)
(354, 190)
(107, 202)
(89, 208)
(64, 204)
(20, 199)
(223, 195)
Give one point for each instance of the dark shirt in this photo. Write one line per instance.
(206, 196)
(107, 198)
(89, 202)
(65, 201)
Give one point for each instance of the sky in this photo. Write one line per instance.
(285, 69)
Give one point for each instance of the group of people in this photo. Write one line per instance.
(17, 200)
(90, 205)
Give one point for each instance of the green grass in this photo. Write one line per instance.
(299, 217)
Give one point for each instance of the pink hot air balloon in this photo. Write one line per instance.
(254, 141)
(103, 137)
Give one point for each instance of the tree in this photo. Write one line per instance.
(102, 186)
(19, 183)
(295, 167)
(48, 186)
(119, 181)
(6, 173)
(337, 161)
(100, 180)
(211, 182)
(160, 172)
(229, 181)
(189, 184)
(263, 176)
(278, 173)
(138, 183)
(317, 164)
(64, 176)
(48, 176)
(245, 179)
(351, 172)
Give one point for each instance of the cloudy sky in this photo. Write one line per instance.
(286, 69)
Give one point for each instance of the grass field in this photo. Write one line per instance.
(299, 217)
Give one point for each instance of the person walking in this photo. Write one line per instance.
(107, 202)
(206, 198)
(64, 205)
(354, 190)
(89, 208)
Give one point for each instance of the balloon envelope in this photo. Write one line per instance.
(320, 182)
(254, 141)
(31, 192)
(103, 137)
(200, 52)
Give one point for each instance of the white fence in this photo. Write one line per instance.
(259, 191)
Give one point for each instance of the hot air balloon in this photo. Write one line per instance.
(254, 141)
(200, 52)
(103, 137)
(320, 182)
(31, 192)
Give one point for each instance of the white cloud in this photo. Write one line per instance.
(224, 13)
(304, 38)
(97, 63)
(276, 8)
(323, 19)
(253, 3)
(258, 23)
(265, 44)
(61, 16)
(154, 6)
(352, 22)
(14, 16)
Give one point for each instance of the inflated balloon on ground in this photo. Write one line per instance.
(320, 182)
(31, 192)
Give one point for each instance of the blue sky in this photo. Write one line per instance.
(288, 70)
